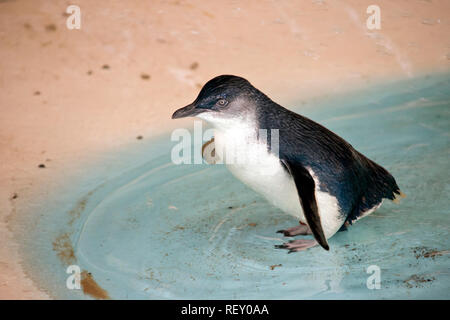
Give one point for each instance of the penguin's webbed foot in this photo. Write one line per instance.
(296, 231)
(297, 245)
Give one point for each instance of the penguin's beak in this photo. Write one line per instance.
(188, 111)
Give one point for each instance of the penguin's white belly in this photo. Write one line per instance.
(262, 171)
(272, 181)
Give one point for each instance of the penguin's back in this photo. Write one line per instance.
(358, 183)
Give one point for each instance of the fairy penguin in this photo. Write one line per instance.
(308, 171)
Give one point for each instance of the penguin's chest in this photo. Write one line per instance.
(248, 159)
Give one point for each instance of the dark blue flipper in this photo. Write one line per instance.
(306, 192)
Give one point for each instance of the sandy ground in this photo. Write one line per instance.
(66, 95)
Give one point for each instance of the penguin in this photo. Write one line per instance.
(298, 165)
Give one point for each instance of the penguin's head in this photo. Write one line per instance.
(222, 98)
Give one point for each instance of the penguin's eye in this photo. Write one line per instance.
(222, 102)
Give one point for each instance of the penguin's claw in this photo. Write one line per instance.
(297, 245)
(296, 231)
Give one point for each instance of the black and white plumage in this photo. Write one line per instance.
(315, 175)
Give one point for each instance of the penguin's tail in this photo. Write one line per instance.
(398, 197)
(376, 184)
(382, 185)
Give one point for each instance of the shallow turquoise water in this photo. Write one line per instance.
(149, 229)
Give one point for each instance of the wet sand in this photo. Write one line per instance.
(67, 96)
